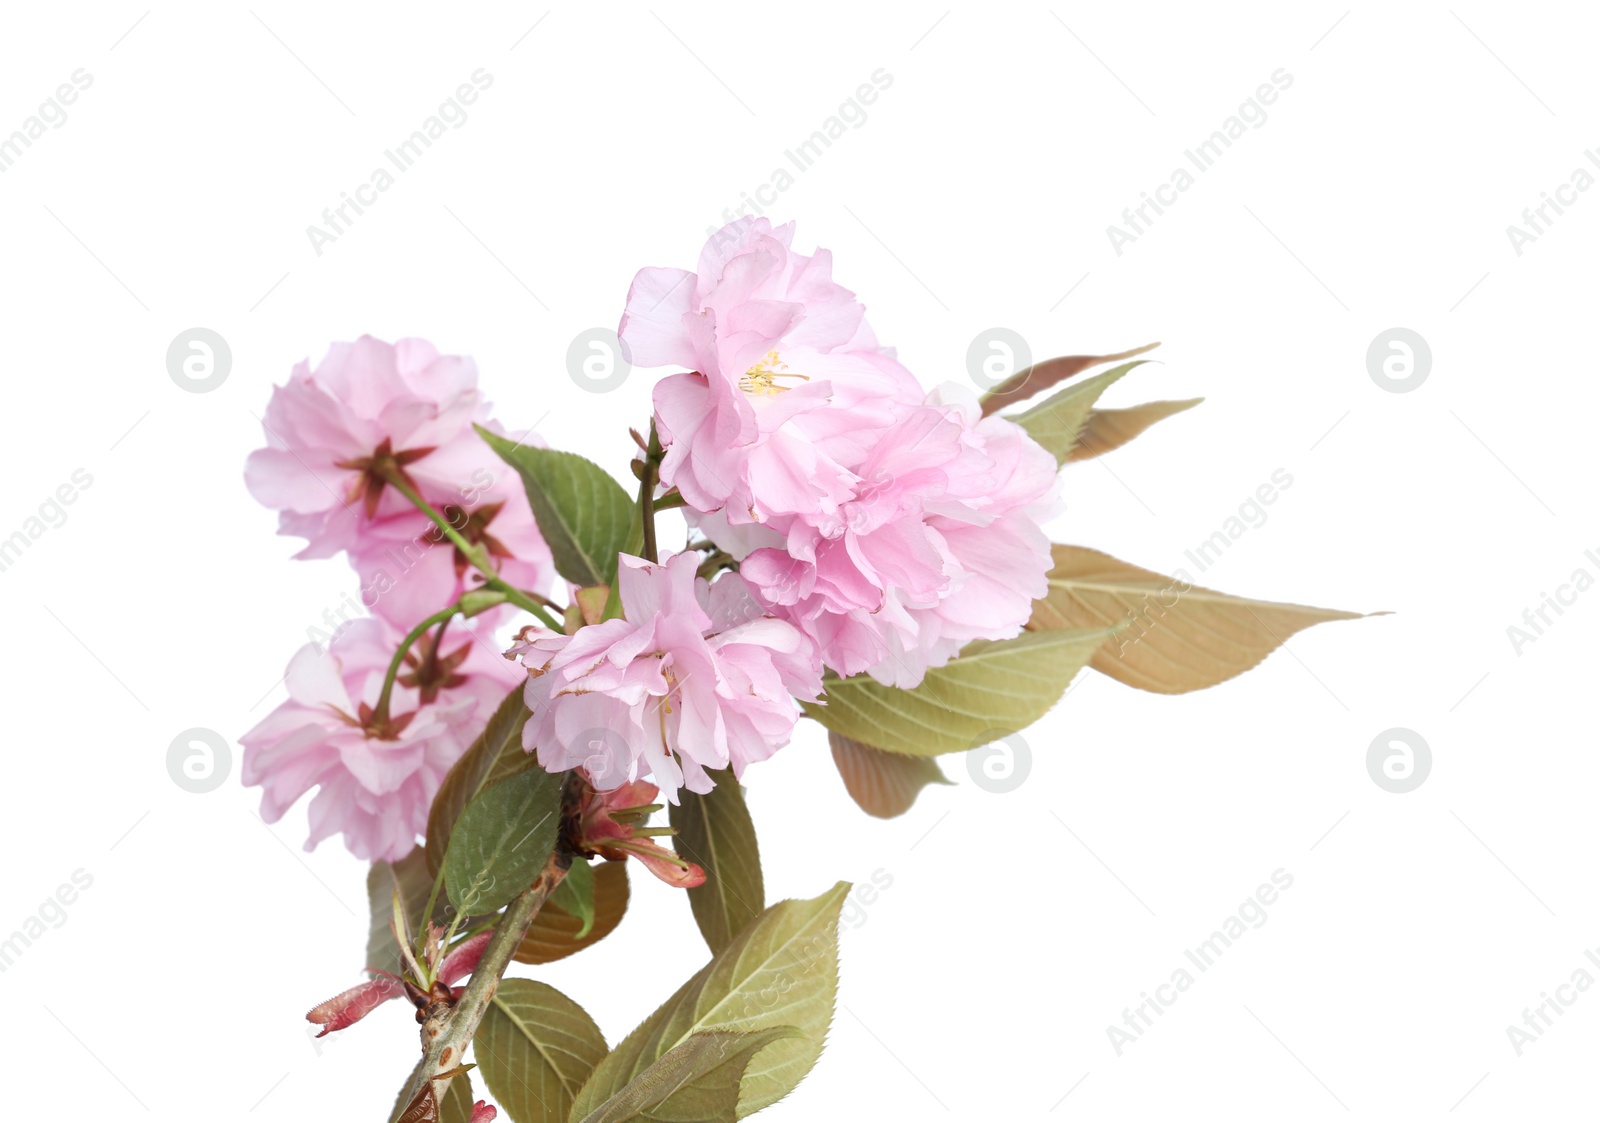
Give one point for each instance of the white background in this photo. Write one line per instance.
(978, 192)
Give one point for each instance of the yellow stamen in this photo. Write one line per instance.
(760, 379)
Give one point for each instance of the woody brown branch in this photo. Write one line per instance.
(447, 1029)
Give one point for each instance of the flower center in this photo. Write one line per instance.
(672, 684)
(475, 529)
(383, 467)
(762, 378)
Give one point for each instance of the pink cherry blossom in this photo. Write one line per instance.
(939, 543)
(692, 677)
(375, 783)
(408, 568)
(366, 405)
(786, 384)
(371, 407)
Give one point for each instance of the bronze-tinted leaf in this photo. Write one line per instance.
(882, 784)
(575, 894)
(591, 602)
(554, 934)
(1107, 429)
(716, 833)
(422, 1109)
(1041, 376)
(1174, 637)
(425, 1107)
(1059, 420)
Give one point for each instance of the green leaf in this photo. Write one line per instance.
(410, 876)
(1107, 429)
(582, 512)
(715, 832)
(696, 1081)
(554, 932)
(883, 785)
(495, 755)
(1174, 637)
(502, 841)
(457, 1106)
(1057, 421)
(575, 895)
(991, 689)
(535, 1048)
(782, 970)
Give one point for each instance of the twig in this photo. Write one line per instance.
(647, 512)
(448, 1031)
(647, 493)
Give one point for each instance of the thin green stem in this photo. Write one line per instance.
(402, 934)
(647, 513)
(473, 554)
(715, 564)
(647, 493)
(380, 713)
(433, 899)
(432, 666)
(545, 601)
(444, 944)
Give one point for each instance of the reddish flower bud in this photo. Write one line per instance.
(348, 1008)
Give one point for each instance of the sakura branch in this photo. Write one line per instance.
(537, 681)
